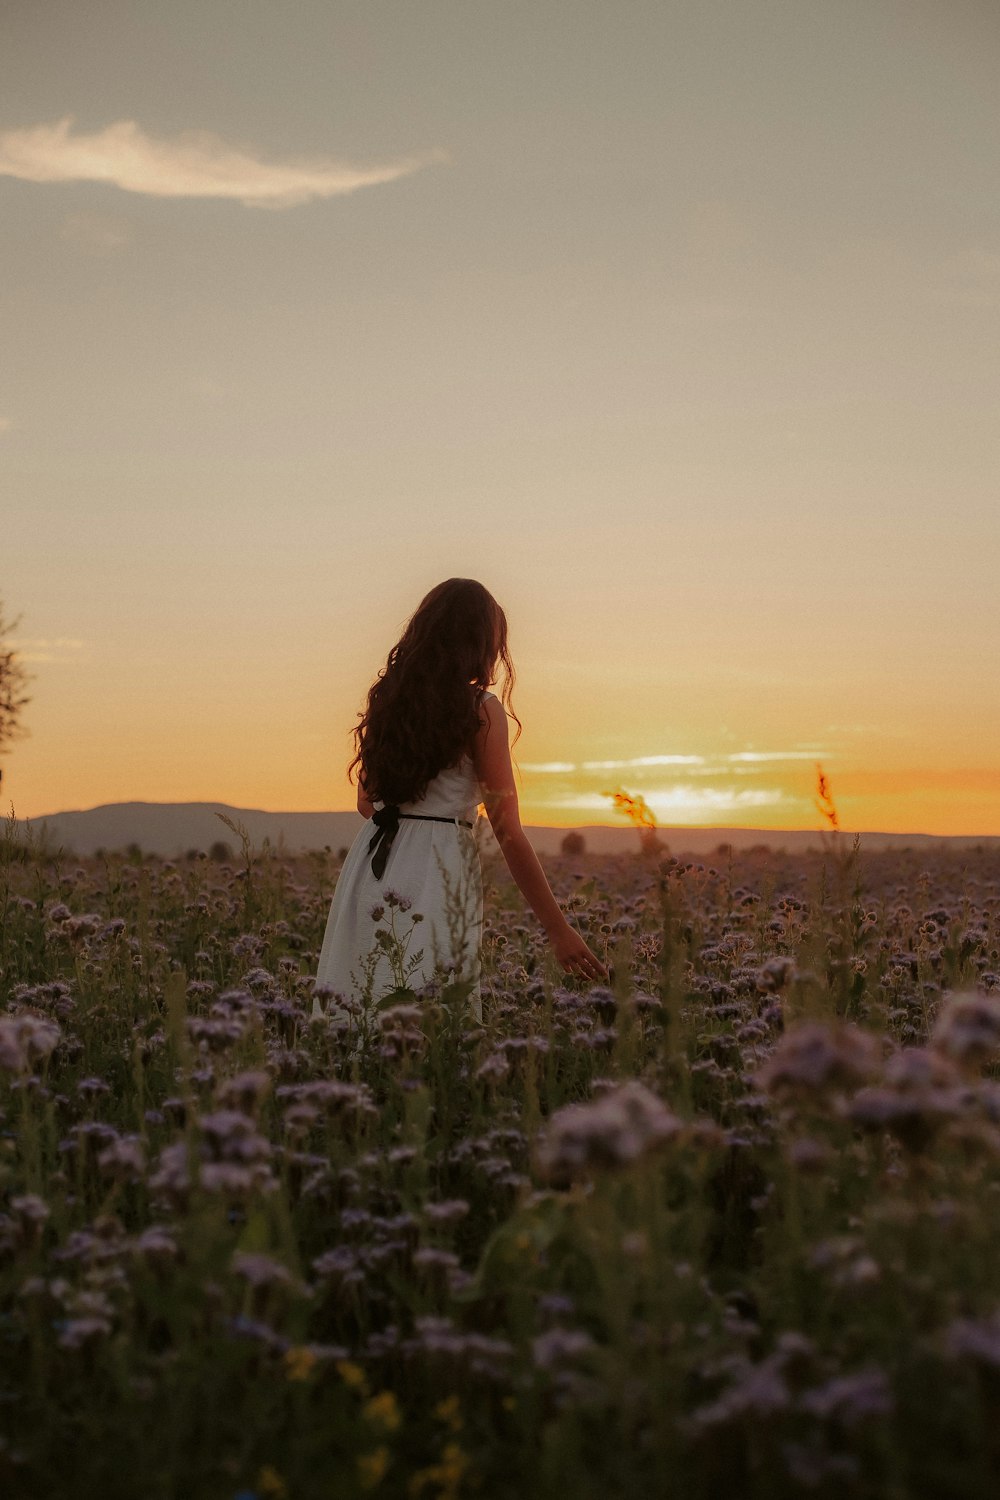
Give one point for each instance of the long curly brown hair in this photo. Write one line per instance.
(423, 708)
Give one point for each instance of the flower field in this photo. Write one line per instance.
(728, 1226)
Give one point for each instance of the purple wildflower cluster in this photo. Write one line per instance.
(726, 1204)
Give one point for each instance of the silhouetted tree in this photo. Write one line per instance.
(220, 852)
(14, 678)
(573, 843)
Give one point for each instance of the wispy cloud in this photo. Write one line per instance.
(879, 729)
(773, 755)
(642, 760)
(194, 164)
(681, 789)
(43, 649)
(697, 765)
(548, 767)
(677, 804)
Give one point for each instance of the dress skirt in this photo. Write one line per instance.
(419, 925)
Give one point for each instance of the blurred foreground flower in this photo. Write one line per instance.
(814, 1055)
(968, 1026)
(25, 1040)
(622, 1125)
(300, 1361)
(270, 1482)
(775, 974)
(977, 1339)
(372, 1467)
(920, 1092)
(383, 1411)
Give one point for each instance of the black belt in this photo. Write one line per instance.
(387, 820)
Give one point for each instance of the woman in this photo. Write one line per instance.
(407, 910)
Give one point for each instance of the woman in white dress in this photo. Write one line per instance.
(407, 910)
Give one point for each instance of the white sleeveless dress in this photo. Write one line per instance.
(435, 866)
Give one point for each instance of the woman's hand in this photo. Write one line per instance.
(574, 955)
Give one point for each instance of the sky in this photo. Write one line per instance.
(676, 324)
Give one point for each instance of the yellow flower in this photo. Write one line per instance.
(453, 1461)
(270, 1482)
(372, 1467)
(299, 1362)
(449, 1412)
(383, 1410)
(352, 1375)
(447, 1475)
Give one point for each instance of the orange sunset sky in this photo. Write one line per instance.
(678, 326)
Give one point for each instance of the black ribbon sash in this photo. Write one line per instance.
(387, 820)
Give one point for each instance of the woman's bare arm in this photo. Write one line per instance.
(496, 781)
(365, 806)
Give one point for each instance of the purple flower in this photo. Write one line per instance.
(968, 1026)
(263, 1271)
(26, 1039)
(849, 1399)
(978, 1339)
(813, 1056)
(447, 1211)
(560, 1345)
(611, 1131)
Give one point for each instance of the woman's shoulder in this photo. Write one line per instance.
(484, 698)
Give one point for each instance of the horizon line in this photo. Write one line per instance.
(619, 827)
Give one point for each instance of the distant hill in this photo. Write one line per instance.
(170, 829)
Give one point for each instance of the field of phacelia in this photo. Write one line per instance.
(730, 1226)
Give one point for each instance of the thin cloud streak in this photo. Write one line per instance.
(678, 804)
(643, 760)
(710, 765)
(775, 755)
(689, 789)
(43, 643)
(41, 649)
(194, 164)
